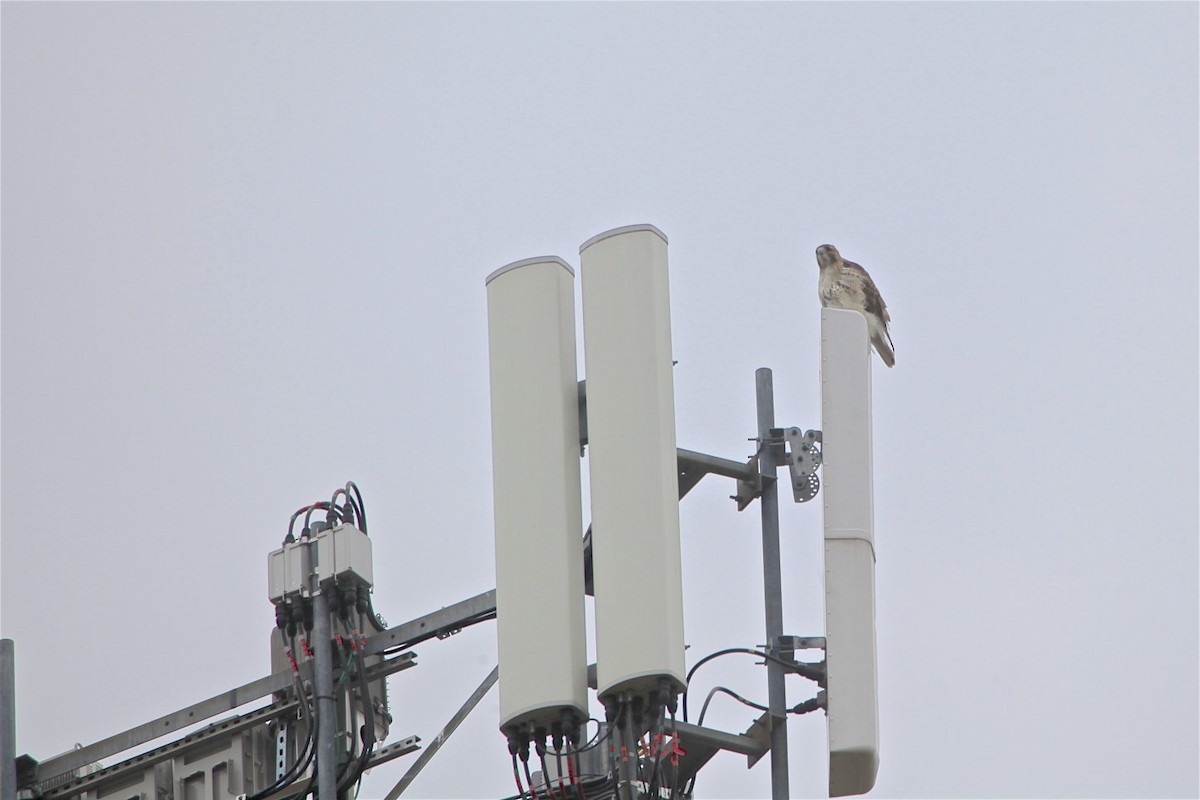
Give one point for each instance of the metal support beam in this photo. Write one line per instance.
(395, 750)
(441, 623)
(322, 643)
(718, 740)
(772, 580)
(8, 721)
(67, 785)
(163, 726)
(381, 756)
(445, 733)
(438, 623)
(691, 460)
(693, 467)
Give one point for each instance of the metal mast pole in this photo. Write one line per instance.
(8, 721)
(326, 708)
(772, 582)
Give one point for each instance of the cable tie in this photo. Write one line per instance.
(676, 752)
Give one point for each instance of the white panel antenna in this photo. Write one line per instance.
(849, 552)
(633, 464)
(536, 482)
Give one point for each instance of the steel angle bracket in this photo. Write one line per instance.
(748, 490)
(786, 645)
(759, 731)
(803, 460)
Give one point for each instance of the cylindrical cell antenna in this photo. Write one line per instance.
(852, 711)
(632, 462)
(536, 484)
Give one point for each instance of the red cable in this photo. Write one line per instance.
(574, 781)
(517, 777)
(532, 788)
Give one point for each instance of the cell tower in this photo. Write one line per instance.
(325, 718)
(630, 560)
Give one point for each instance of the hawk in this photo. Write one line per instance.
(844, 284)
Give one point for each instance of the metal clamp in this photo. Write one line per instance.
(799, 450)
(804, 459)
(790, 644)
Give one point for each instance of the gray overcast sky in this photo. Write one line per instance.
(244, 248)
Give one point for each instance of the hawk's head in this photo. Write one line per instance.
(827, 255)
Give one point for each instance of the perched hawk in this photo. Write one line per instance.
(844, 284)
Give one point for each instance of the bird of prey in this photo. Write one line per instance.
(844, 284)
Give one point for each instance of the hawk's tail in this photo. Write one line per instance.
(884, 348)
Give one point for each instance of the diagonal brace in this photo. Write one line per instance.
(445, 733)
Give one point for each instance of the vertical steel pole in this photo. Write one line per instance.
(326, 708)
(772, 582)
(8, 721)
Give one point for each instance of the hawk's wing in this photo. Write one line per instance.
(872, 302)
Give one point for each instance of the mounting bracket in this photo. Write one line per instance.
(798, 449)
(804, 459)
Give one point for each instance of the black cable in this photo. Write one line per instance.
(359, 506)
(558, 768)
(306, 754)
(320, 506)
(354, 503)
(614, 724)
(674, 756)
(807, 706)
(803, 707)
(431, 634)
(288, 777)
(300, 795)
(368, 732)
(813, 672)
(628, 739)
(369, 706)
(346, 774)
(600, 784)
(346, 506)
(310, 753)
(577, 779)
(307, 710)
(731, 693)
(656, 751)
(379, 628)
(292, 524)
(540, 748)
(528, 776)
(517, 777)
(594, 741)
(308, 789)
